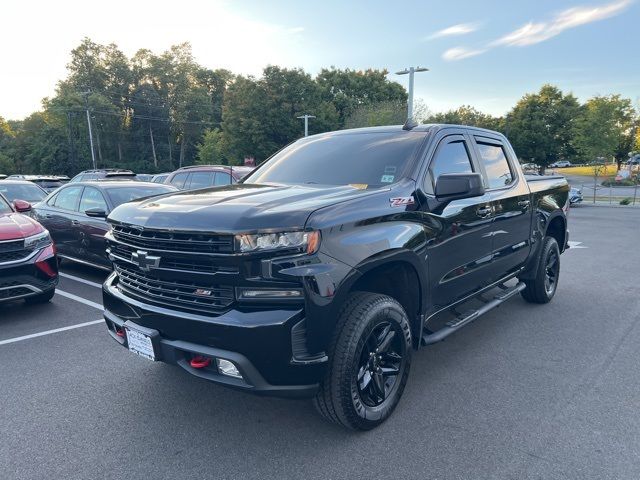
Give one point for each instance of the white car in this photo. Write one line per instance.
(560, 164)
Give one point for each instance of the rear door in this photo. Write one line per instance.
(59, 217)
(200, 180)
(510, 202)
(459, 256)
(91, 230)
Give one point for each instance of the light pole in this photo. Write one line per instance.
(306, 123)
(86, 104)
(411, 71)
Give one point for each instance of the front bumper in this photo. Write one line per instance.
(20, 280)
(258, 342)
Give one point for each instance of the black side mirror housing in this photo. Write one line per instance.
(455, 186)
(96, 213)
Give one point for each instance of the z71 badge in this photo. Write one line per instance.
(401, 201)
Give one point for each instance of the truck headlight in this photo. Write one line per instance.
(307, 241)
(37, 241)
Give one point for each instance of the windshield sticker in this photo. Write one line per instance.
(401, 201)
(387, 179)
(359, 186)
(390, 169)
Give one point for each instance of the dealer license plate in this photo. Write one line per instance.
(139, 343)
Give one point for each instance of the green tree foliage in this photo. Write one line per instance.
(210, 149)
(605, 128)
(468, 115)
(390, 112)
(541, 126)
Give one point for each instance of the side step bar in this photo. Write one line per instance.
(468, 317)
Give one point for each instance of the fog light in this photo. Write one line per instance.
(228, 368)
(247, 294)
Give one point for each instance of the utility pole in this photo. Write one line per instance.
(86, 104)
(306, 123)
(411, 71)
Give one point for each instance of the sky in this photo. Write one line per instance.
(482, 53)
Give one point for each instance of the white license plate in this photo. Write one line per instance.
(140, 344)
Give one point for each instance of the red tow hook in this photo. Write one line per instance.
(200, 361)
(120, 332)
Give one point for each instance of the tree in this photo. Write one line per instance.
(210, 149)
(541, 126)
(605, 128)
(467, 115)
(389, 112)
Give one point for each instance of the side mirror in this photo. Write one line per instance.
(21, 206)
(454, 186)
(96, 213)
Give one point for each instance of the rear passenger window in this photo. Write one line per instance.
(496, 165)
(201, 180)
(67, 198)
(178, 180)
(452, 157)
(223, 178)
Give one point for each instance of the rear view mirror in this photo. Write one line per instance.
(21, 206)
(454, 186)
(96, 213)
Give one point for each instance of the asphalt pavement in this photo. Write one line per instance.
(525, 392)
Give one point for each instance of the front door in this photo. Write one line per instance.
(459, 254)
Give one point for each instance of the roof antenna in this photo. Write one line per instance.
(410, 124)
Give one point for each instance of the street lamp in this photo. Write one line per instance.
(306, 123)
(411, 71)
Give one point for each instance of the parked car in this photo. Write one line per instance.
(202, 176)
(160, 177)
(22, 190)
(47, 182)
(144, 177)
(326, 267)
(530, 167)
(28, 264)
(104, 173)
(575, 196)
(560, 164)
(76, 216)
(2, 176)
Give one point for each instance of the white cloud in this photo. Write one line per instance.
(459, 29)
(458, 53)
(533, 33)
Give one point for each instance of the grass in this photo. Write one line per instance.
(611, 169)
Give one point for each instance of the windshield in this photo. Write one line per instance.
(120, 195)
(4, 206)
(366, 160)
(28, 192)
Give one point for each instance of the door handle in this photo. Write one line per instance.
(75, 222)
(484, 212)
(524, 203)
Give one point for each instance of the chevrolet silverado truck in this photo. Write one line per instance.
(324, 270)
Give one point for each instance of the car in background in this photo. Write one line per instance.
(28, 263)
(22, 190)
(76, 216)
(2, 176)
(560, 164)
(575, 196)
(144, 177)
(104, 173)
(160, 177)
(47, 182)
(203, 176)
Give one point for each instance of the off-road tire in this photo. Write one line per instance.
(339, 398)
(537, 289)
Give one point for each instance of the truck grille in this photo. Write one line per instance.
(181, 295)
(173, 241)
(13, 251)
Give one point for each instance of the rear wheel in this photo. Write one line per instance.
(41, 297)
(370, 357)
(542, 288)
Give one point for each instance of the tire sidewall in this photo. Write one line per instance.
(550, 246)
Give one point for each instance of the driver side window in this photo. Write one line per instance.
(451, 157)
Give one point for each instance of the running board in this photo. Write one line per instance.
(468, 317)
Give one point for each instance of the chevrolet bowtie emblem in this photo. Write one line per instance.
(145, 261)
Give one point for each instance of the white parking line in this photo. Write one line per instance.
(48, 332)
(81, 280)
(79, 299)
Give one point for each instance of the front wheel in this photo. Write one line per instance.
(542, 288)
(370, 358)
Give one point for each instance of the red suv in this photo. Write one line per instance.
(28, 263)
(203, 176)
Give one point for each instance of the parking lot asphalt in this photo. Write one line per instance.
(525, 392)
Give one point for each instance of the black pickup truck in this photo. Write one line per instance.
(322, 271)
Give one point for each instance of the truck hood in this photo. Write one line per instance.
(16, 225)
(234, 208)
